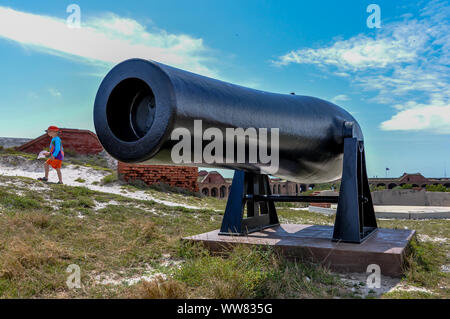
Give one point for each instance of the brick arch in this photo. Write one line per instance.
(205, 191)
(214, 192)
(223, 191)
(274, 189)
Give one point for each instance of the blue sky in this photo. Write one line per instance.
(394, 79)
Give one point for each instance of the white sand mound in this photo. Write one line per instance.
(20, 166)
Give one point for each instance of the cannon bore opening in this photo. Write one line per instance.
(131, 109)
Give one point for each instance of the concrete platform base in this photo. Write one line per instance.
(386, 247)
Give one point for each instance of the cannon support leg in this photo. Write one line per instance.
(260, 214)
(355, 215)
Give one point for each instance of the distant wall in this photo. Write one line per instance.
(409, 197)
(323, 193)
(8, 142)
(79, 141)
(176, 176)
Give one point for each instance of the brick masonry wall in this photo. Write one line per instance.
(176, 176)
(79, 141)
(323, 205)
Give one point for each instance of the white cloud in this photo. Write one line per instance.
(406, 63)
(106, 40)
(340, 97)
(430, 117)
(360, 52)
(54, 92)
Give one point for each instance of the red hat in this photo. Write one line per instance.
(52, 128)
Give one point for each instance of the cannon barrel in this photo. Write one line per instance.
(140, 103)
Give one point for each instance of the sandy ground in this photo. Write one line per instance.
(146, 273)
(17, 166)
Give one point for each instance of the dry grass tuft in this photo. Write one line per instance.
(19, 256)
(161, 288)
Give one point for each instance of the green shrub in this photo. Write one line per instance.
(423, 263)
(437, 188)
(70, 153)
(95, 161)
(138, 183)
(111, 178)
(374, 188)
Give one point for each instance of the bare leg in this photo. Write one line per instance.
(46, 170)
(58, 171)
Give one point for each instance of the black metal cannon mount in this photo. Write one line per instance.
(355, 217)
(140, 103)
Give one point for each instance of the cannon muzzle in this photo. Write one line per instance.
(140, 103)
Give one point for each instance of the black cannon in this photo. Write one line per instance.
(141, 104)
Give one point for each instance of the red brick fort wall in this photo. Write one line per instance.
(79, 141)
(176, 176)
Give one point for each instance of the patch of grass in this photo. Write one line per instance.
(37, 243)
(64, 192)
(80, 180)
(80, 202)
(162, 188)
(95, 161)
(304, 217)
(160, 288)
(423, 263)
(253, 272)
(13, 201)
(12, 151)
(108, 179)
(402, 294)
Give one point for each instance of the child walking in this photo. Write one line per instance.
(56, 154)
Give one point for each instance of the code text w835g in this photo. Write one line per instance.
(246, 308)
